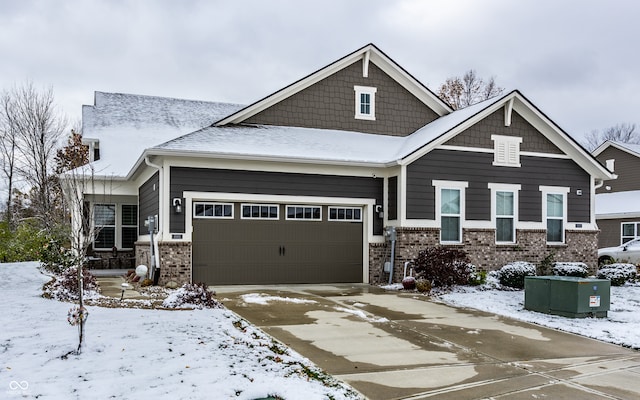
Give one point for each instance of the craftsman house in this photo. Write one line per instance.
(618, 201)
(301, 186)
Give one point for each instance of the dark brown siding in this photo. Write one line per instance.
(476, 169)
(272, 183)
(611, 231)
(392, 200)
(330, 104)
(479, 135)
(148, 199)
(627, 167)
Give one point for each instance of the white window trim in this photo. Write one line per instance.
(302, 206)
(277, 217)
(635, 230)
(511, 146)
(196, 203)
(117, 238)
(344, 208)
(459, 185)
(371, 91)
(562, 190)
(504, 187)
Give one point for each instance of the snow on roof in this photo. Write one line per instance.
(618, 204)
(126, 124)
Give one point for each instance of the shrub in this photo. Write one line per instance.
(443, 266)
(618, 273)
(513, 274)
(477, 278)
(23, 243)
(192, 295)
(65, 286)
(423, 285)
(56, 258)
(577, 269)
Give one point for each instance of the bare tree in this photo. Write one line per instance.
(8, 144)
(37, 127)
(460, 92)
(623, 133)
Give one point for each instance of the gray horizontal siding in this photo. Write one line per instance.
(626, 167)
(477, 169)
(148, 200)
(271, 183)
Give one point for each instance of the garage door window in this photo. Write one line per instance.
(213, 210)
(260, 211)
(345, 214)
(307, 213)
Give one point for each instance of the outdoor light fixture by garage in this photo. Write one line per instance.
(177, 205)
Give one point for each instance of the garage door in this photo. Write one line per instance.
(271, 243)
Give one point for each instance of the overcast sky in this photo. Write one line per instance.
(578, 61)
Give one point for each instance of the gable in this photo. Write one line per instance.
(626, 168)
(330, 104)
(479, 134)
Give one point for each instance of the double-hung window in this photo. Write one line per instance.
(504, 210)
(554, 210)
(450, 209)
(129, 225)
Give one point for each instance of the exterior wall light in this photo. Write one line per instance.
(177, 205)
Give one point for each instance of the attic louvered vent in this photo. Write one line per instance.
(506, 150)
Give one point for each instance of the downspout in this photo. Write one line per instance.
(155, 254)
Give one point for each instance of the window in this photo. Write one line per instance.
(213, 210)
(630, 231)
(555, 217)
(104, 219)
(309, 213)
(505, 217)
(365, 102)
(506, 150)
(260, 211)
(116, 225)
(129, 226)
(504, 210)
(345, 214)
(450, 209)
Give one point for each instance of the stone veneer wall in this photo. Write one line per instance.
(480, 245)
(175, 260)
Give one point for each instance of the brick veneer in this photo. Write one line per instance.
(480, 245)
(175, 260)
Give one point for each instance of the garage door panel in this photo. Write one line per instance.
(283, 251)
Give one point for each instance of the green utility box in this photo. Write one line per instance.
(567, 296)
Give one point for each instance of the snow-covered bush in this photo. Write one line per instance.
(477, 278)
(56, 258)
(577, 269)
(443, 266)
(618, 273)
(65, 285)
(513, 274)
(192, 295)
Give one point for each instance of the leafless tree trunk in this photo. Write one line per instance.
(37, 128)
(8, 152)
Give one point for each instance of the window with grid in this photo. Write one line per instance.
(629, 231)
(365, 102)
(309, 213)
(260, 211)
(555, 217)
(505, 217)
(129, 225)
(345, 214)
(213, 210)
(450, 215)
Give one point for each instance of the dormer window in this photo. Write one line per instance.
(365, 102)
(506, 150)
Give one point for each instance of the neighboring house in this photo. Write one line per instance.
(300, 186)
(618, 201)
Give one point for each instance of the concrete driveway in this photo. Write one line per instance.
(391, 345)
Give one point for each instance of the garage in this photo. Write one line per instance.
(244, 243)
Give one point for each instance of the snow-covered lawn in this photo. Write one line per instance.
(135, 353)
(622, 325)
